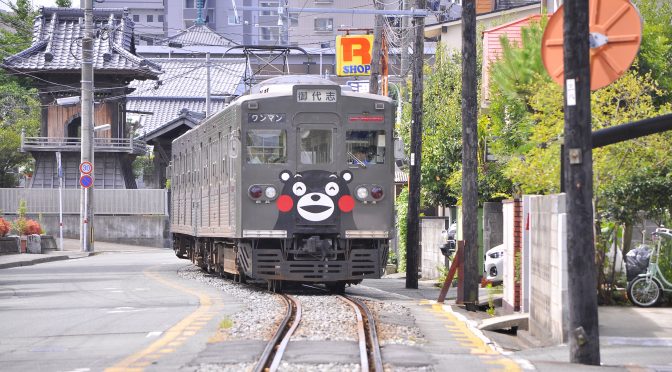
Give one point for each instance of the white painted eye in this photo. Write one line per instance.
(299, 189)
(331, 189)
(284, 176)
(347, 176)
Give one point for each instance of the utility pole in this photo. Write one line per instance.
(406, 36)
(86, 200)
(378, 35)
(412, 220)
(584, 343)
(207, 87)
(469, 155)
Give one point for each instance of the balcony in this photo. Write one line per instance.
(51, 144)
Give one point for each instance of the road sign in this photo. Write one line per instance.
(615, 35)
(86, 167)
(86, 181)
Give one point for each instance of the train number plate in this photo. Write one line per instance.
(316, 95)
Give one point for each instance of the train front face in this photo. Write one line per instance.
(318, 173)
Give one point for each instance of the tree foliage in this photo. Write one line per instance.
(19, 107)
(63, 3)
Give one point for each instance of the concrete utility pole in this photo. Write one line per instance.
(378, 35)
(469, 155)
(584, 343)
(86, 200)
(412, 220)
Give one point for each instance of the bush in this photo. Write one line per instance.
(4, 227)
(23, 226)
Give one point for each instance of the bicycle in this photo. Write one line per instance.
(647, 289)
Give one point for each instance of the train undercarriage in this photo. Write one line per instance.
(321, 259)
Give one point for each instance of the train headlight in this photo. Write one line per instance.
(255, 191)
(270, 192)
(377, 192)
(362, 193)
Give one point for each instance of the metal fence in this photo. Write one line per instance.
(105, 202)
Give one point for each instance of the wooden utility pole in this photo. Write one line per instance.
(584, 343)
(469, 155)
(378, 35)
(412, 220)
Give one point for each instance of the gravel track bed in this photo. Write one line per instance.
(262, 313)
(394, 324)
(325, 318)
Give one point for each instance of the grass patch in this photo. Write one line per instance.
(226, 323)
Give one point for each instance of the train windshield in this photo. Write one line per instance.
(316, 146)
(266, 146)
(365, 146)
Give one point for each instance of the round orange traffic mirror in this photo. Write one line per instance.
(615, 35)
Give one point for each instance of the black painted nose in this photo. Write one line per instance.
(315, 197)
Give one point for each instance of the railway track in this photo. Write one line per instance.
(369, 347)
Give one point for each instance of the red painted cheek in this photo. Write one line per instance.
(285, 203)
(346, 203)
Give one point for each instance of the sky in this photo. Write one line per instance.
(38, 3)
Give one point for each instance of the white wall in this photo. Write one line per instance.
(548, 263)
(508, 274)
(431, 240)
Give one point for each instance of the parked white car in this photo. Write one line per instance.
(494, 264)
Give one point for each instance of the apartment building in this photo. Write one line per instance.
(148, 16)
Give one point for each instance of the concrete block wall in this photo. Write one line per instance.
(431, 257)
(548, 267)
(151, 231)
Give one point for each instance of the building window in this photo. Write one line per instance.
(150, 18)
(160, 18)
(231, 18)
(324, 24)
(189, 4)
(272, 8)
(264, 33)
(293, 19)
(136, 18)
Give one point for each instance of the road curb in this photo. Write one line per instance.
(40, 260)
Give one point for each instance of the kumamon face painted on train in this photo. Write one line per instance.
(314, 198)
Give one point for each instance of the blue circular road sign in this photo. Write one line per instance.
(86, 181)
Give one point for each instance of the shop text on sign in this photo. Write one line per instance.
(353, 55)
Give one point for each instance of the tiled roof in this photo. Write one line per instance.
(55, 47)
(183, 85)
(198, 35)
(167, 110)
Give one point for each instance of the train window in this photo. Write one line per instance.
(266, 146)
(315, 146)
(365, 146)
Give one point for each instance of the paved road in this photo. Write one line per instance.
(116, 310)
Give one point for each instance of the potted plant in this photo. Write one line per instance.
(24, 226)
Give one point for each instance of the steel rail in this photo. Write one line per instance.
(272, 355)
(369, 348)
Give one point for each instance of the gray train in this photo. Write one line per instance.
(291, 182)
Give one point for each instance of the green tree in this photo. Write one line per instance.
(63, 3)
(19, 107)
(656, 49)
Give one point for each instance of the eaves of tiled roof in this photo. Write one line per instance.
(56, 46)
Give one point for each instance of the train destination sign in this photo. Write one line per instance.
(354, 55)
(316, 95)
(270, 118)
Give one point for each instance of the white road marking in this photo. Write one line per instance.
(117, 291)
(124, 309)
(154, 334)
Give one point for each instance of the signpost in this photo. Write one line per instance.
(60, 198)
